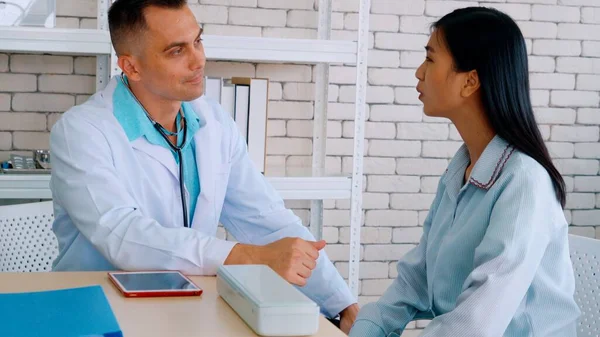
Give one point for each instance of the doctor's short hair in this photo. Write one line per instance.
(126, 19)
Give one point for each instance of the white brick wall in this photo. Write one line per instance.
(378, 22)
(38, 102)
(429, 184)
(406, 201)
(407, 235)
(395, 183)
(385, 252)
(257, 17)
(439, 8)
(399, 7)
(577, 166)
(575, 133)
(373, 130)
(590, 15)
(421, 166)
(18, 82)
(3, 62)
(555, 13)
(552, 81)
(561, 150)
(405, 150)
(587, 184)
(575, 98)
(78, 8)
(588, 82)
(540, 98)
(400, 41)
(395, 113)
(394, 148)
(587, 150)
(541, 64)
(516, 11)
(578, 65)
(368, 235)
(572, 31)
(422, 131)
(4, 102)
(16, 121)
(591, 48)
(556, 47)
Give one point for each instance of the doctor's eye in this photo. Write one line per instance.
(177, 51)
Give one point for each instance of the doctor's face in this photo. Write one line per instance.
(171, 56)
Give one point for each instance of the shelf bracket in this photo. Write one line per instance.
(102, 61)
(359, 144)
(320, 118)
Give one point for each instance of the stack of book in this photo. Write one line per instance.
(246, 99)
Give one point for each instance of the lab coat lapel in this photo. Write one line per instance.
(159, 153)
(208, 160)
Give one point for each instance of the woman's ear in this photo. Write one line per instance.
(471, 84)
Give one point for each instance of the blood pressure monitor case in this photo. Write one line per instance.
(266, 302)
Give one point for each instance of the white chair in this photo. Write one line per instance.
(27, 243)
(585, 255)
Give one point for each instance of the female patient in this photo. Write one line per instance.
(494, 259)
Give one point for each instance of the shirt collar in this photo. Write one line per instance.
(488, 166)
(135, 122)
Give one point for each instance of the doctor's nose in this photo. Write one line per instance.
(198, 59)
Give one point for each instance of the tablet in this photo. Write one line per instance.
(154, 284)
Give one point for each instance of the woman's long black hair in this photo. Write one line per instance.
(490, 42)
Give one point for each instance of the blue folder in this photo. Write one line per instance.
(75, 312)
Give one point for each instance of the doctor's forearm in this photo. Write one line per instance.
(244, 254)
(293, 259)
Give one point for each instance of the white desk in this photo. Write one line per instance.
(206, 316)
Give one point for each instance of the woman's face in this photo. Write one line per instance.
(440, 86)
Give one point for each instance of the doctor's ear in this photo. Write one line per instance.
(129, 67)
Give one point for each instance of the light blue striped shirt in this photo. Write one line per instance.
(493, 260)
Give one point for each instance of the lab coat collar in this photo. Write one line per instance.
(135, 123)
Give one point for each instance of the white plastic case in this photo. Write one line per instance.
(266, 302)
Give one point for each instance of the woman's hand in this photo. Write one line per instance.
(347, 317)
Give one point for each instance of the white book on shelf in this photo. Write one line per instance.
(228, 97)
(212, 88)
(257, 120)
(257, 125)
(242, 105)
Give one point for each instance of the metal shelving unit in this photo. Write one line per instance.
(37, 186)
(322, 52)
(219, 48)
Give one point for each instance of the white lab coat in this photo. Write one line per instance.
(118, 206)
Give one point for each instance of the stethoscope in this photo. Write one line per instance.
(177, 148)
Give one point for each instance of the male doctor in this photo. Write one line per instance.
(145, 170)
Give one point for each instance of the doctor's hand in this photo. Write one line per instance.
(293, 259)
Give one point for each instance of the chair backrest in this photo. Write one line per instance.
(585, 255)
(27, 243)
